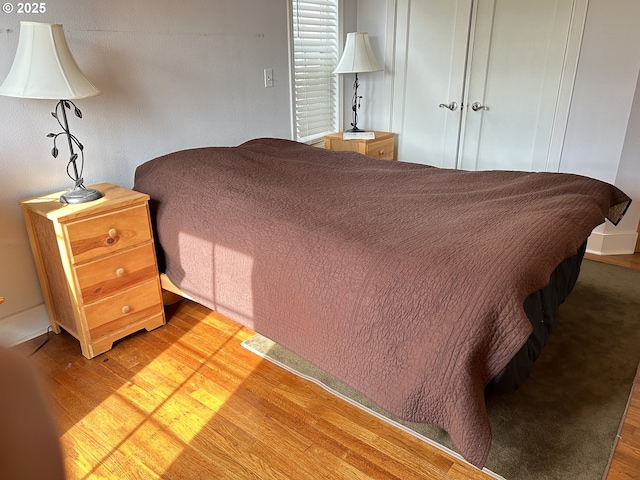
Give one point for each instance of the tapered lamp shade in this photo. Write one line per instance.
(357, 56)
(44, 67)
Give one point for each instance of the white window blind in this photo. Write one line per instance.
(315, 56)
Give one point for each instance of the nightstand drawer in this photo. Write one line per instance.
(108, 275)
(125, 308)
(106, 234)
(382, 150)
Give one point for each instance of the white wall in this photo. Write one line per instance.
(602, 133)
(371, 18)
(174, 75)
(628, 177)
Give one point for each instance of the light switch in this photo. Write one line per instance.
(268, 77)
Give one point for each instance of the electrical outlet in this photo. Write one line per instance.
(268, 77)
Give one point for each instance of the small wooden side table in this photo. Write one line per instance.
(383, 146)
(96, 264)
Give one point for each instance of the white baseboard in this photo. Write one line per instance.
(618, 243)
(23, 326)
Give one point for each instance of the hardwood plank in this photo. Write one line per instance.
(625, 461)
(628, 261)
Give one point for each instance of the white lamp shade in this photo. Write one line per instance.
(44, 67)
(357, 56)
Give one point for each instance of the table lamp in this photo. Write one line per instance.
(357, 58)
(44, 68)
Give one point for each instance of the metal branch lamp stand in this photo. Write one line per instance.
(79, 193)
(355, 106)
(357, 58)
(44, 68)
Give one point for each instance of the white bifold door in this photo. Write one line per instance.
(485, 84)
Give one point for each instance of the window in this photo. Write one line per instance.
(315, 56)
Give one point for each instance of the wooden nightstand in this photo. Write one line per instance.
(97, 265)
(382, 147)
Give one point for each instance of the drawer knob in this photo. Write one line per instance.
(120, 272)
(113, 233)
(381, 153)
(126, 309)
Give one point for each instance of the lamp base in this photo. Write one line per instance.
(355, 130)
(80, 195)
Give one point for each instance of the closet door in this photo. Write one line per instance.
(514, 80)
(431, 42)
(508, 66)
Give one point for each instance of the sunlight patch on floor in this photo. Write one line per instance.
(155, 415)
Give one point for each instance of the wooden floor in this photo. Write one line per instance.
(627, 261)
(188, 401)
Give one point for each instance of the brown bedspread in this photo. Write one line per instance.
(404, 281)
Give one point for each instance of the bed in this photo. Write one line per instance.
(424, 289)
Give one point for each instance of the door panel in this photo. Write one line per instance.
(435, 37)
(515, 71)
